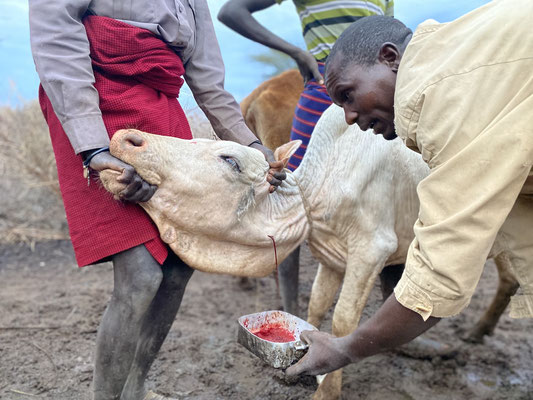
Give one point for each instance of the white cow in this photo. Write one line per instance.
(353, 197)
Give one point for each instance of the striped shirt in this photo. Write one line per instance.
(324, 20)
(313, 102)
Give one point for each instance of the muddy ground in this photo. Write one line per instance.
(50, 310)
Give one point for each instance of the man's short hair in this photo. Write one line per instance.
(361, 41)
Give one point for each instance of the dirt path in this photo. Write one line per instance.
(50, 310)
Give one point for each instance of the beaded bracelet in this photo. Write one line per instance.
(87, 161)
(256, 142)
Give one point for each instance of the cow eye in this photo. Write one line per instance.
(231, 161)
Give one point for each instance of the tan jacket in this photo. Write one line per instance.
(464, 100)
(61, 53)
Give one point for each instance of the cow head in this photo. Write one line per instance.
(209, 200)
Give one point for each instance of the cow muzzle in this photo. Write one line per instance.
(127, 140)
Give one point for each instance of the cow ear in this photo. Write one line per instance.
(285, 151)
(168, 234)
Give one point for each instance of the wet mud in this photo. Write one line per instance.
(50, 310)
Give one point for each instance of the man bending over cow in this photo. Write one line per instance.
(461, 94)
(111, 65)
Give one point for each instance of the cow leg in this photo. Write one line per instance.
(359, 279)
(288, 272)
(507, 287)
(156, 324)
(325, 286)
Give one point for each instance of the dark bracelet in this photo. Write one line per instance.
(87, 161)
(256, 142)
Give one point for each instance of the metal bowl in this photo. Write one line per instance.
(277, 355)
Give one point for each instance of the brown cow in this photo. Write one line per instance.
(269, 109)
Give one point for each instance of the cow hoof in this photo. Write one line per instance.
(477, 335)
(474, 338)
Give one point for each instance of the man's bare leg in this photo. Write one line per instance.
(156, 324)
(288, 272)
(137, 277)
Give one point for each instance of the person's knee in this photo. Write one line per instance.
(147, 280)
(137, 275)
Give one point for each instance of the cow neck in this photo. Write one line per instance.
(312, 173)
(287, 212)
(306, 206)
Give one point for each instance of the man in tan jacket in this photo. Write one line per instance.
(461, 94)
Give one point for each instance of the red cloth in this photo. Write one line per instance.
(138, 78)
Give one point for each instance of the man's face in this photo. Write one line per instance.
(366, 94)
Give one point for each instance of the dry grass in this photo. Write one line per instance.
(200, 126)
(32, 209)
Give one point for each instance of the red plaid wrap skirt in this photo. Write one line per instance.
(138, 78)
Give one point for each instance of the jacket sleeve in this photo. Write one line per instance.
(61, 53)
(480, 154)
(204, 73)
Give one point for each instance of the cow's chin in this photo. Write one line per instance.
(108, 178)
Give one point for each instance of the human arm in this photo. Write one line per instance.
(61, 52)
(237, 15)
(204, 73)
(391, 326)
